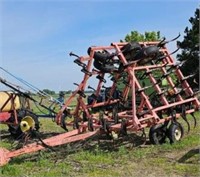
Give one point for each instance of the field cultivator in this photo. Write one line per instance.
(146, 90)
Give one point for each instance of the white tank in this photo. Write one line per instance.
(13, 103)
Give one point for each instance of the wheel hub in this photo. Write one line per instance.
(177, 134)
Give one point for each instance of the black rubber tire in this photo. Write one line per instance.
(175, 132)
(157, 134)
(15, 130)
(130, 47)
(146, 54)
(100, 56)
(151, 50)
(35, 118)
(104, 68)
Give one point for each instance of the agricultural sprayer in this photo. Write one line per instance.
(138, 86)
(16, 106)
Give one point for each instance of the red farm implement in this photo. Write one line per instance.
(146, 90)
(16, 109)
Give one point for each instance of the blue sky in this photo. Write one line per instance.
(36, 36)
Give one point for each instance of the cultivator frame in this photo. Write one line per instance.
(133, 63)
(139, 117)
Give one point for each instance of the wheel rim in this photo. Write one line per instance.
(177, 134)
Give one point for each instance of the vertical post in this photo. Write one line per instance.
(133, 95)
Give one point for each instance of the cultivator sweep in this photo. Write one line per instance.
(146, 90)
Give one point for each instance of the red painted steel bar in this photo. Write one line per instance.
(68, 137)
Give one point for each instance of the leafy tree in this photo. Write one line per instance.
(50, 92)
(138, 37)
(68, 92)
(190, 51)
(65, 92)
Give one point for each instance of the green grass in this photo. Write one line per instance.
(122, 157)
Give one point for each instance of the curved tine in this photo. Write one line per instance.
(89, 87)
(170, 53)
(185, 119)
(175, 51)
(76, 84)
(195, 121)
(183, 114)
(103, 86)
(158, 45)
(161, 58)
(63, 124)
(73, 54)
(164, 56)
(175, 38)
(163, 43)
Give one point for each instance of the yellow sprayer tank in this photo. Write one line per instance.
(13, 103)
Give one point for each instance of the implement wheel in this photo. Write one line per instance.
(157, 134)
(16, 131)
(175, 132)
